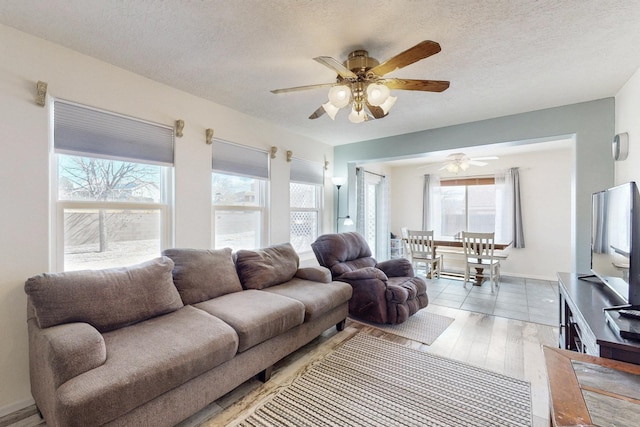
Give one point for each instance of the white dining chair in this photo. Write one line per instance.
(479, 254)
(420, 245)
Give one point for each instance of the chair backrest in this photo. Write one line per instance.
(405, 242)
(405, 232)
(343, 252)
(420, 242)
(478, 244)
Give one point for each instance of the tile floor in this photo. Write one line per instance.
(530, 300)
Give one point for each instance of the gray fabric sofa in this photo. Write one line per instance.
(151, 344)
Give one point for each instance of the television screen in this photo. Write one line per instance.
(614, 242)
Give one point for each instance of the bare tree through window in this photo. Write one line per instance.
(91, 179)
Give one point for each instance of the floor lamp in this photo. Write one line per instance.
(339, 181)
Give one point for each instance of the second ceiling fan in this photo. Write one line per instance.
(361, 85)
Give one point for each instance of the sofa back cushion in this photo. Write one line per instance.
(267, 267)
(202, 274)
(343, 252)
(106, 299)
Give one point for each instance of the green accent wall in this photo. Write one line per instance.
(591, 124)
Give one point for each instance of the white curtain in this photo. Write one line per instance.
(382, 230)
(431, 213)
(360, 202)
(508, 208)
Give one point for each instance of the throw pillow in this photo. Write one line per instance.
(267, 267)
(106, 299)
(201, 274)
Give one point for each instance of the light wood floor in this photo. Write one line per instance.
(508, 346)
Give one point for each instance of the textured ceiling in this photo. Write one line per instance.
(502, 56)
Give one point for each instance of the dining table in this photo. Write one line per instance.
(454, 242)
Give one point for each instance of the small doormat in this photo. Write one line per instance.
(423, 326)
(370, 381)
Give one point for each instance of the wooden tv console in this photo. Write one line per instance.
(583, 327)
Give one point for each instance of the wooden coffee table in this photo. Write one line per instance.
(591, 391)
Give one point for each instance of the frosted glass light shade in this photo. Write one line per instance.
(377, 94)
(339, 180)
(356, 116)
(348, 221)
(386, 105)
(330, 109)
(340, 95)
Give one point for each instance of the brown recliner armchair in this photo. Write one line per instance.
(386, 292)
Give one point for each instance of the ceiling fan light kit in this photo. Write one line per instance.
(388, 103)
(458, 162)
(357, 116)
(330, 109)
(377, 94)
(340, 96)
(360, 85)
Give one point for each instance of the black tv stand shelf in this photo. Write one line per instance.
(583, 325)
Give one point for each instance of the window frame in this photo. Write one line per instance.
(148, 137)
(165, 207)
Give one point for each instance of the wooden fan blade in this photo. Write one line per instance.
(294, 89)
(336, 66)
(319, 112)
(376, 112)
(424, 85)
(477, 163)
(420, 51)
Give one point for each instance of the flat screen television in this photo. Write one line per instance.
(615, 240)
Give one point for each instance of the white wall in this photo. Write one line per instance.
(628, 120)
(24, 175)
(545, 184)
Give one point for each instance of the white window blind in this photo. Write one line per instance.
(307, 172)
(84, 130)
(239, 160)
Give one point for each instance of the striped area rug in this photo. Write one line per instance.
(423, 326)
(369, 381)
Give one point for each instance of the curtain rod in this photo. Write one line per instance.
(372, 173)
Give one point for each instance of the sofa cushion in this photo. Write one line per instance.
(255, 316)
(266, 267)
(318, 298)
(201, 274)
(146, 360)
(106, 299)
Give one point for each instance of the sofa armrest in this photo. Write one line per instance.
(62, 352)
(364, 274)
(397, 267)
(316, 274)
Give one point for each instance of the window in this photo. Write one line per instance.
(305, 200)
(468, 205)
(112, 204)
(305, 215)
(239, 211)
(239, 196)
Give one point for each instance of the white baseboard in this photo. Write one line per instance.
(16, 406)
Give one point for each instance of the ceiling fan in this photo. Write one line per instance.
(361, 85)
(457, 162)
